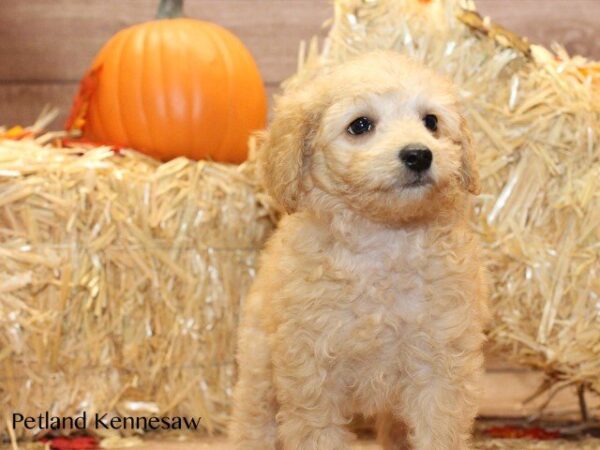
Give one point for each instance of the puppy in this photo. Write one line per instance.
(370, 298)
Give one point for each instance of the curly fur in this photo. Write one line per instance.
(370, 298)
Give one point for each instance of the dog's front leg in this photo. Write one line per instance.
(439, 396)
(253, 424)
(392, 434)
(311, 402)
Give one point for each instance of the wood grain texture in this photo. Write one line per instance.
(50, 41)
(21, 103)
(56, 40)
(505, 394)
(575, 24)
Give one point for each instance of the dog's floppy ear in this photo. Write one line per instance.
(285, 147)
(470, 173)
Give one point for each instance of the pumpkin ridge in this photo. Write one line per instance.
(258, 107)
(134, 123)
(213, 153)
(211, 86)
(117, 90)
(245, 111)
(142, 88)
(97, 128)
(195, 108)
(172, 77)
(159, 108)
(168, 147)
(100, 129)
(218, 152)
(94, 110)
(187, 58)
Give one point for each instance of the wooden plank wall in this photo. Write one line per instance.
(45, 46)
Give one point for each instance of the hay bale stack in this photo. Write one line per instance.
(536, 120)
(121, 280)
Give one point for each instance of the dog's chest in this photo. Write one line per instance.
(386, 277)
(381, 305)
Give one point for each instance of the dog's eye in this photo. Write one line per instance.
(431, 122)
(360, 126)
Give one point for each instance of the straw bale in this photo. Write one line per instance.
(536, 119)
(121, 280)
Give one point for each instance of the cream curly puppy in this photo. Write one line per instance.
(370, 298)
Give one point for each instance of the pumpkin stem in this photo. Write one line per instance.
(170, 9)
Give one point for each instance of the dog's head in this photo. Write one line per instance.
(379, 134)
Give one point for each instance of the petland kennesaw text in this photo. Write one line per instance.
(103, 422)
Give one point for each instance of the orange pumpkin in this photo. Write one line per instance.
(173, 87)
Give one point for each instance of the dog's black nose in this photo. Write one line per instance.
(416, 157)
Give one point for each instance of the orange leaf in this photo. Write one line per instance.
(72, 443)
(16, 133)
(512, 432)
(79, 110)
